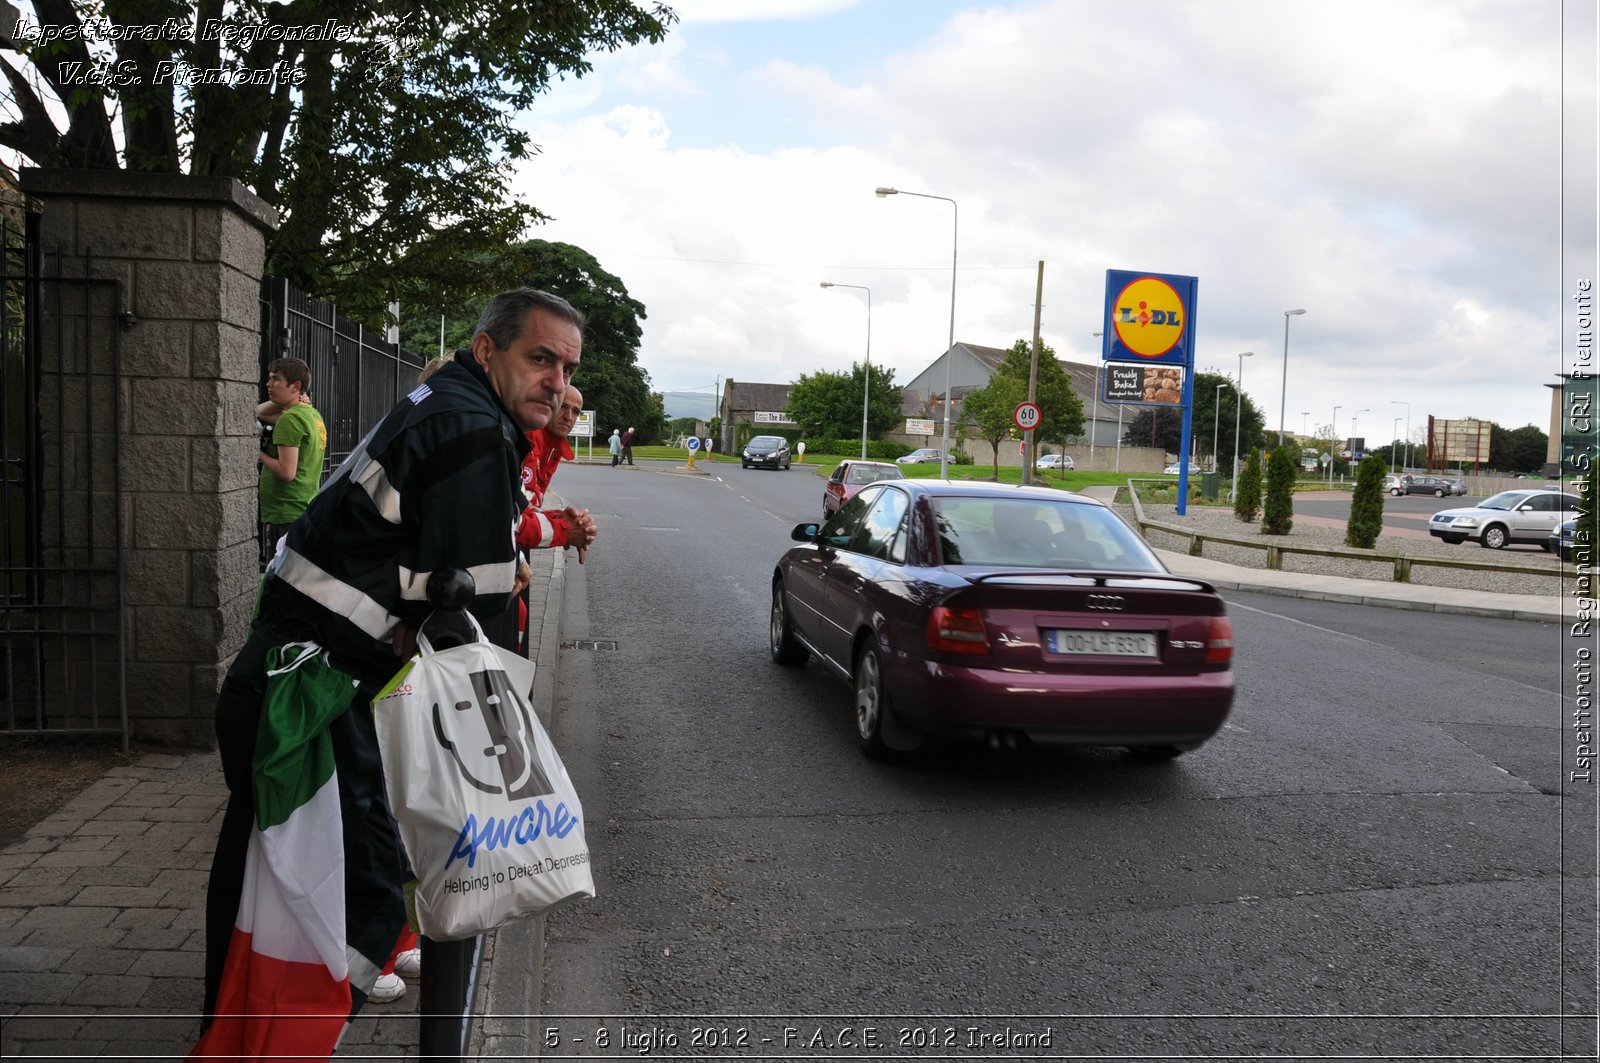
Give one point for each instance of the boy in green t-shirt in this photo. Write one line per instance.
(291, 465)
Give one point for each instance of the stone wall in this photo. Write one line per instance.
(188, 254)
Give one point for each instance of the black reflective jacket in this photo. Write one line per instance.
(437, 484)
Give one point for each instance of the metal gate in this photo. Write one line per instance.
(63, 652)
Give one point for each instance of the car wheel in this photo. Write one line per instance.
(1396, 492)
(1547, 547)
(744, 464)
(786, 649)
(1495, 537)
(785, 463)
(1438, 492)
(872, 700)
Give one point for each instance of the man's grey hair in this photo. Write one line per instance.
(507, 313)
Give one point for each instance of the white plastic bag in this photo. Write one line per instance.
(487, 813)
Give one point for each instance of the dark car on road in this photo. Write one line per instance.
(1005, 614)
(851, 476)
(769, 451)
(1564, 540)
(1437, 486)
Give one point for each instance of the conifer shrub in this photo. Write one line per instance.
(1366, 504)
(1277, 516)
(1247, 497)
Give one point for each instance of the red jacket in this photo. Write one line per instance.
(546, 528)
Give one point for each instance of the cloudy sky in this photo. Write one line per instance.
(1392, 166)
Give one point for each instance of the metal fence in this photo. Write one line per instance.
(356, 373)
(63, 649)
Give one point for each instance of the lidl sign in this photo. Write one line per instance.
(1149, 318)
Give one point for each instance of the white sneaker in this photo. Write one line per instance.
(388, 987)
(409, 963)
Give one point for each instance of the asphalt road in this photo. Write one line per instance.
(1374, 858)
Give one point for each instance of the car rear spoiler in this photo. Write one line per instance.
(1097, 578)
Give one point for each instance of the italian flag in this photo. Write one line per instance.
(285, 990)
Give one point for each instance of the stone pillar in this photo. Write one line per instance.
(188, 253)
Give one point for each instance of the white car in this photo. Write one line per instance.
(918, 457)
(1172, 470)
(1522, 516)
(1055, 461)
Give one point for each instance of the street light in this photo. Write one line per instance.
(955, 229)
(1094, 419)
(1333, 444)
(1395, 442)
(1283, 398)
(1353, 430)
(1407, 405)
(1238, 409)
(1216, 408)
(866, 374)
(1305, 423)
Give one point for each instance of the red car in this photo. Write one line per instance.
(1005, 614)
(850, 477)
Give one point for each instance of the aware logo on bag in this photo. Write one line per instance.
(491, 739)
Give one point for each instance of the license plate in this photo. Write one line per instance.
(1103, 643)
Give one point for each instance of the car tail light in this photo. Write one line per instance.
(1219, 646)
(958, 631)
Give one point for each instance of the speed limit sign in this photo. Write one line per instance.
(1027, 416)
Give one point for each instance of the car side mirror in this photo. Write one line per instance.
(805, 533)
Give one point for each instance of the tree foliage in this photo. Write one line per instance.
(613, 383)
(829, 403)
(991, 411)
(1214, 413)
(1277, 516)
(1517, 449)
(1366, 504)
(1060, 409)
(385, 146)
(1247, 496)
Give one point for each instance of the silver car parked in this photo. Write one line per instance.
(1509, 517)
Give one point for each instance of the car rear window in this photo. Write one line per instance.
(871, 474)
(1035, 533)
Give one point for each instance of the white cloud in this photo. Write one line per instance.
(1392, 167)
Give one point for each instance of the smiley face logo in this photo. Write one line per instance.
(1149, 317)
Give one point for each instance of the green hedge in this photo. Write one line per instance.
(877, 449)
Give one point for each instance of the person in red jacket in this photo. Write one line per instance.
(548, 528)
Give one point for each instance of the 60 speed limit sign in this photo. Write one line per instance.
(1027, 416)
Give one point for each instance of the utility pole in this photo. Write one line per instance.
(1033, 378)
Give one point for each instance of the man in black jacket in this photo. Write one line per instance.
(436, 485)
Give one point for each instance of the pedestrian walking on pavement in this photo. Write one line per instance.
(616, 447)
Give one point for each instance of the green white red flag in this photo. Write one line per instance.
(285, 991)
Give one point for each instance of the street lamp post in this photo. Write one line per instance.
(1333, 444)
(1283, 397)
(1238, 410)
(866, 372)
(1353, 417)
(1305, 423)
(955, 229)
(1395, 442)
(1407, 405)
(1094, 420)
(1216, 408)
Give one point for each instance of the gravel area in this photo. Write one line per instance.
(1543, 575)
